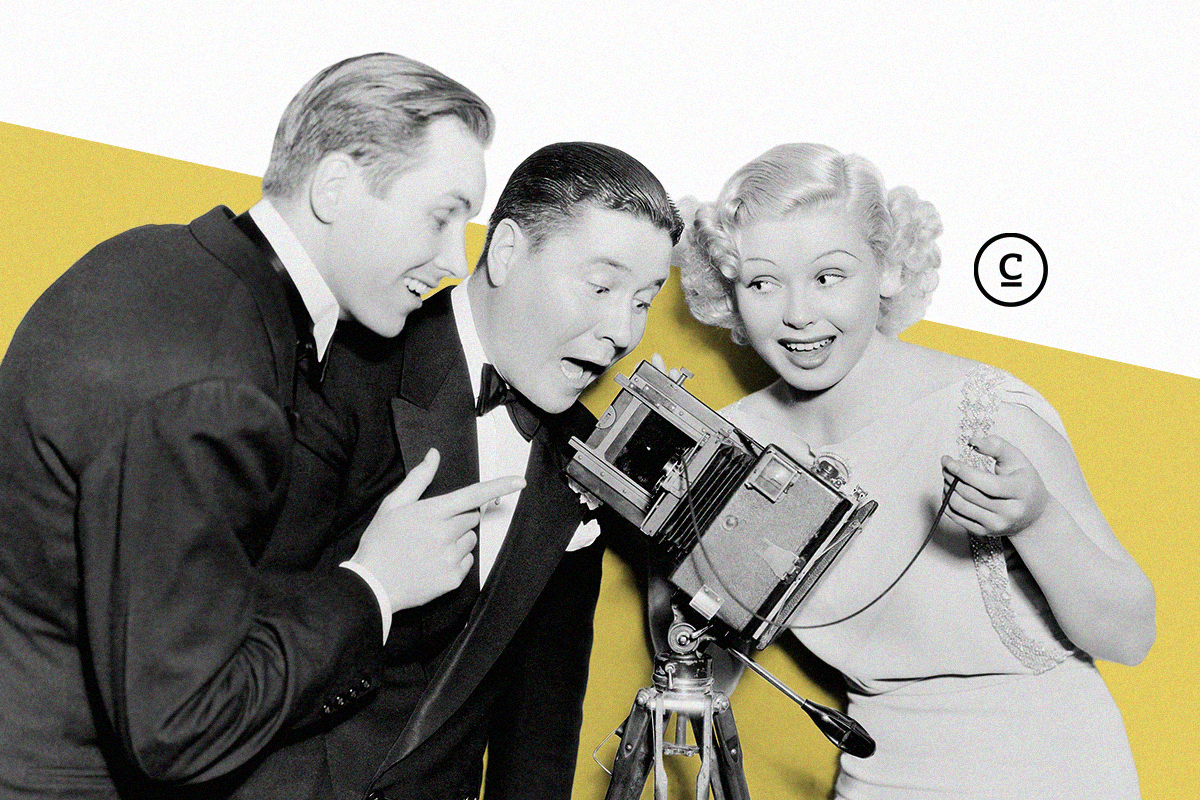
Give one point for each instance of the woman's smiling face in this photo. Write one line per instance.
(808, 294)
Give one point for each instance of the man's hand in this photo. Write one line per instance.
(421, 549)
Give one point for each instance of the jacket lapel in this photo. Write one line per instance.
(546, 516)
(216, 232)
(433, 402)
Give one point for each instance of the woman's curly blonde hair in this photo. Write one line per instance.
(899, 227)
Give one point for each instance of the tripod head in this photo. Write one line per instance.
(685, 640)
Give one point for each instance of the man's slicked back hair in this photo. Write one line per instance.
(375, 108)
(551, 187)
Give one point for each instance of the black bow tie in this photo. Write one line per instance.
(494, 391)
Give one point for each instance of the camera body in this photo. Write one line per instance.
(745, 530)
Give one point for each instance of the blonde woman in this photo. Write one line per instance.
(973, 669)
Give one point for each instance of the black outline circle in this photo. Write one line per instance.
(1041, 254)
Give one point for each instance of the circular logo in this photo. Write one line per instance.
(1010, 269)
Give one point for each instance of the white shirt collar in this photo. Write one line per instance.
(322, 306)
(468, 334)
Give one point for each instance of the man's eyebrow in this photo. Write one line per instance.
(465, 202)
(612, 263)
(617, 265)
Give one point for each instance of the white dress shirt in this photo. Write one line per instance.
(319, 301)
(502, 448)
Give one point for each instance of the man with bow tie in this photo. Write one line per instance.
(168, 455)
(488, 375)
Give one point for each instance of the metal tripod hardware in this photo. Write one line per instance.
(683, 688)
(844, 731)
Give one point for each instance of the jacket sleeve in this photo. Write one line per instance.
(534, 737)
(199, 660)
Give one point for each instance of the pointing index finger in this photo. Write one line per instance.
(477, 494)
(415, 482)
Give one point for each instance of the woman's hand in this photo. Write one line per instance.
(1098, 594)
(1003, 503)
(657, 361)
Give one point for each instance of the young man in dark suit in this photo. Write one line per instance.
(164, 614)
(489, 374)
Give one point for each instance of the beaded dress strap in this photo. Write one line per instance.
(980, 402)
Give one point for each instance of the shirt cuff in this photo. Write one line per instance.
(381, 595)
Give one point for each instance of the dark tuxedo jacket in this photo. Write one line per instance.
(503, 667)
(155, 431)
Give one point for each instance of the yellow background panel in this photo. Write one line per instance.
(1136, 431)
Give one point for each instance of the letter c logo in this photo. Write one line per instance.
(1010, 280)
(1013, 285)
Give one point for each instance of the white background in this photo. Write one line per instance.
(1077, 124)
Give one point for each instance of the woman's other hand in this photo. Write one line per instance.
(1003, 503)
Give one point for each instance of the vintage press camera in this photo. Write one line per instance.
(745, 530)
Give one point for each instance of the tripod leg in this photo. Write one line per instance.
(729, 752)
(707, 780)
(704, 740)
(660, 771)
(632, 762)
